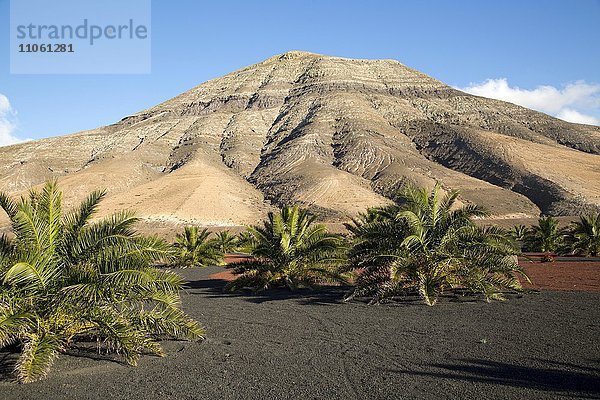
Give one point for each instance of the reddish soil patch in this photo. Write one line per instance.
(226, 275)
(235, 258)
(565, 273)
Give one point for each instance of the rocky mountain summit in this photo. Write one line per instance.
(334, 134)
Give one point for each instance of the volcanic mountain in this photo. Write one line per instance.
(333, 134)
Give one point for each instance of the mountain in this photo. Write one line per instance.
(333, 134)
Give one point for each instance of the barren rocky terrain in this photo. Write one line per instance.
(336, 135)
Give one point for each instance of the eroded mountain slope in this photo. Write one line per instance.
(337, 135)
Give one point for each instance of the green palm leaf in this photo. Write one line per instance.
(37, 356)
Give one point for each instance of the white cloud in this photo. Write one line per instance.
(571, 115)
(7, 123)
(571, 103)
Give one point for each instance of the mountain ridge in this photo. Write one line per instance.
(334, 134)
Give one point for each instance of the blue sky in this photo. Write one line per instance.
(544, 54)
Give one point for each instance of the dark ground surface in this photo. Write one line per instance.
(309, 346)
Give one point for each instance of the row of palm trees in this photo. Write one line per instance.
(424, 245)
(578, 238)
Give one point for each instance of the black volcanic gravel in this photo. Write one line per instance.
(311, 346)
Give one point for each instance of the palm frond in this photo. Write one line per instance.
(77, 219)
(37, 356)
(171, 322)
(8, 205)
(28, 275)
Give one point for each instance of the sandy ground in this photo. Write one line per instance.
(309, 346)
(167, 229)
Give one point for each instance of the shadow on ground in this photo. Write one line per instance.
(8, 359)
(570, 378)
(323, 296)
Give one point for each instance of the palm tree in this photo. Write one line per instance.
(225, 242)
(430, 246)
(290, 251)
(195, 249)
(244, 242)
(584, 235)
(546, 237)
(519, 233)
(63, 278)
(371, 217)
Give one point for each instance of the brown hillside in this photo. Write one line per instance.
(334, 134)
